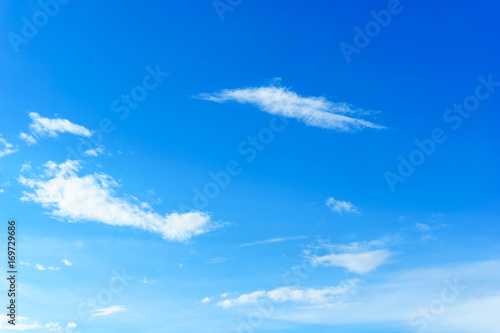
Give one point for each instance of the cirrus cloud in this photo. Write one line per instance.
(313, 111)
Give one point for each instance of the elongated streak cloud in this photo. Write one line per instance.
(109, 311)
(92, 198)
(310, 296)
(313, 111)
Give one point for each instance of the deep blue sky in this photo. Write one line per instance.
(90, 53)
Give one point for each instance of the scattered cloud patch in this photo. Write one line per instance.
(338, 206)
(326, 297)
(40, 267)
(205, 300)
(94, 152)
(313, 111)
(26, 166)
(93, 198)
(360, 263)
(29, 139)
(6, 148)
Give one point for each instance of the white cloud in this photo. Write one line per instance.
(25, 166)
(24, 263)
(19, 326)
(326, 297)
(52, 268)
(338, 206)
(450, 299)
(92, 198)
(422, 227)
(53, 127)
(40, 267)
(109, 311)
(2, 190)
(217, 260)
(53, 326)
(94, 152)
(272, 240)
(6, 148)
(67, 262)
(359, 263)
(314, 111)
(29, 139)
(205, 300)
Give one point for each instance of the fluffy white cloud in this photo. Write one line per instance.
(55, 126)
(6, 148)
(94, 152)
(52, 127)
(40, 267)
(314, 111)
(338, 206)
(205, 300)
(67, 262)
(272, 240)
(109, 311)
(92, 198)
(360, 263)
(2, 190)
(326, 297)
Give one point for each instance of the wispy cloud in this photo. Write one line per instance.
(29, 139)
(206, 300)
(313, 111)
(40, 267)
(338, 206)
(94, 152)
(453, 298)
(6, 148)
(92, 198)
(358, 257)
(326, 297)
(26, 166)
(109, 311)
(272, 240)
(217, 260)
(360, 263)
(67, 262)
(51, 127)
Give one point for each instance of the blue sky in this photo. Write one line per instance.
(228, 167)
